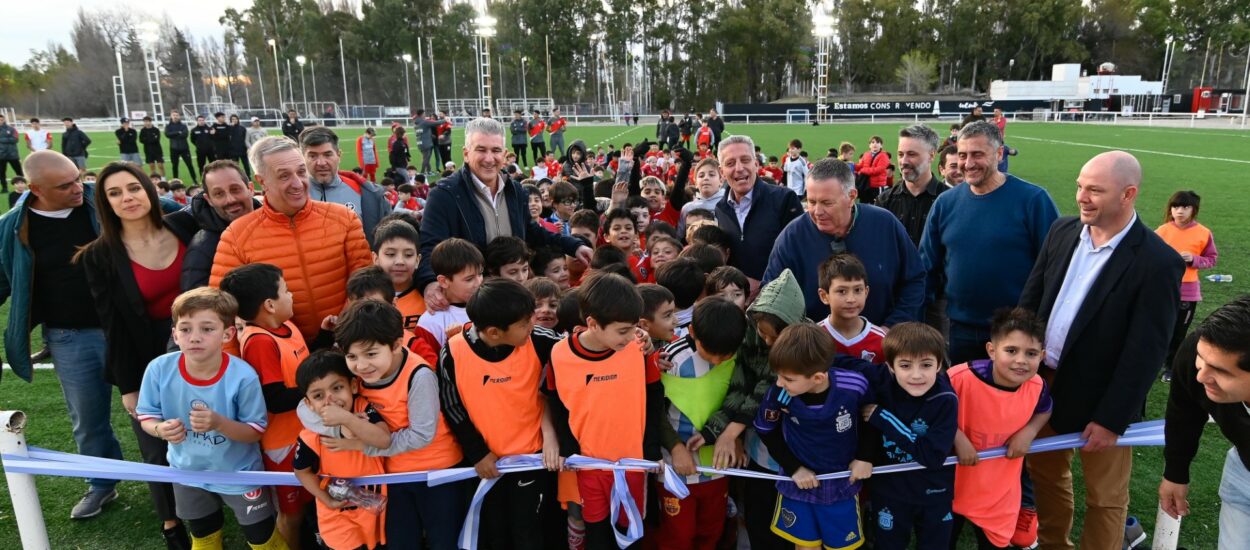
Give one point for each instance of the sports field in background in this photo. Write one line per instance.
(1210, 162)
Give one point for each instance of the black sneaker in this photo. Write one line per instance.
(41, 356)
(92, 504)
(176, 538)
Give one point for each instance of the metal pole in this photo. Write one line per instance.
(289, 86)
(360, 86)
(277, 73)
(312, 67)
(1245, 101)
(421, 71)
(121, 75)
(303, 84)
(343, 69)
(260, 78)
(190, 75)
(433, 78)
(26, 509)
(547, 40)
(525, 96)
(407, 91)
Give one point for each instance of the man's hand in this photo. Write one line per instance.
(204, 420)
(860, 470)
(805, 479)
(1174, 498)
(436, 301)
(130, 401)
(1098, 438)
(683, 461)
(727, 454)
(583, 255)
(486, 467)
(171, 431)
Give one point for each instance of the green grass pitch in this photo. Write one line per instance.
(1211, 162)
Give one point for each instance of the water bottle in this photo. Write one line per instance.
(1220, 278)
(360, 497)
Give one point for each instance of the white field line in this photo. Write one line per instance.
(1130, 149)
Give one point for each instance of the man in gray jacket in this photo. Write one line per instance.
(320, 147)
(426, 125)
(520, 132)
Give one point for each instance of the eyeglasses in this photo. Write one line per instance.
(568, 202)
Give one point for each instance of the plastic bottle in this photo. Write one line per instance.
(342, 489)
(1220, 278)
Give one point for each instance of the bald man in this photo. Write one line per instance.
(38, 237)
(1108, 288)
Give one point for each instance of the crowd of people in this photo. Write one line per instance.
(710, 307)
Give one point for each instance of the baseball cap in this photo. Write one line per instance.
(449, 164)
(125, 120)
(255, 119)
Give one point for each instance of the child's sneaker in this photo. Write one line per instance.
(1134, 534)
(1025, 536)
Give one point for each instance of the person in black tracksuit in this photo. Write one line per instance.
(520, 138)
(201, 136)
(220, 132)
(153, 153)
(237, 147)
(177, 133)
(292, 125)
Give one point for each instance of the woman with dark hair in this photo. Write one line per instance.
(133, 270)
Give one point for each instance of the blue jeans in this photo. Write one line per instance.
(78, 355)
(1234, 503)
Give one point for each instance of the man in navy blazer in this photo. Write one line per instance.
(753, 213)
(1108, 288)
(478, 204)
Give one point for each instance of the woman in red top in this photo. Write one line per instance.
(133, 271)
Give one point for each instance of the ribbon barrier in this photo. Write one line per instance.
(45, 462)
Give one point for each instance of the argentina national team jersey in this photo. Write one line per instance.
(824, 437)
(169, 392)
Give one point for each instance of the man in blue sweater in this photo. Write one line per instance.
(835, 223)
(981, 240)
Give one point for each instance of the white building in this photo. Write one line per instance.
(1069, 85)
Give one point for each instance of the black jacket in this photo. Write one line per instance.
(772, 208)
(202, 139)
(177, 133)
(74, 142)
(134, 338)
(292, 129)
(718, 127)
(150, 138)
(451, 211)
(220, 137)
(238, 141)
(127, 140)
(1120, 334)
(206, 227)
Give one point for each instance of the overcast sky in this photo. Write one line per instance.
(32, 24)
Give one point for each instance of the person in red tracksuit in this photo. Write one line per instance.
(875, 165)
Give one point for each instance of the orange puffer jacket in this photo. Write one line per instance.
(316, 249)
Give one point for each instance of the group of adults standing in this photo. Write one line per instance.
(1107, 286)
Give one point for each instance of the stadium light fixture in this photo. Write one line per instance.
(302, 82)
(407, 82)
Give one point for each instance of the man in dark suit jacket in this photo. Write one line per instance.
(752, 212)
(1108, 288)
(461, 203)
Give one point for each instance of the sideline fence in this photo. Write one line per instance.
(22, 463)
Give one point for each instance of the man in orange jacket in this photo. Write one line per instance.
(317, 244)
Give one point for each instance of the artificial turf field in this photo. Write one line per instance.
(1210, 162)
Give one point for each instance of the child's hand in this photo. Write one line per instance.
(204, 420)
(329, 322)
(966, 452)
(331, 502)
(683, 461)
(805, 479)
(486, 467)
(727, 454)
(860, 470)
(695, 442)
(342, 444)
(171, 431)
(551, 455)
(644, 340)
(868, 410)
(334, 415)
(346, 433)
(1018, 444)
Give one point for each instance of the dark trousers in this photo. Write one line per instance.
(514, 512)
(202, 157)
(869, 195)
(4, 169)
(153, 450)
(935, 316)
(540, 150)
(898, 519)
(425, 159)
(759, 501)
(521, 151)
(444, 156)
(184, 156)
(967, 342)
(420, 516)
(247, 166)
(983, 542)
(1184, 317)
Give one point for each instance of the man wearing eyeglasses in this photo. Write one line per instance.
(38, 238)
(836, 224)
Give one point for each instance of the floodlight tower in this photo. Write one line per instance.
(484, 26)
(822, 29)
(303, 83)
(150, 36)
(407, 82)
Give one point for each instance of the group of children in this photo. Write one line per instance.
(657, 350)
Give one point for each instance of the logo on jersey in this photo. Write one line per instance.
(868, 356)
(487, 379)
(350, 206)
(885, 519)
(772, 415)
(844, 421)
(605, 378)
(199, 405)
(672, 506)
(788, 518)
(919, 427)
(254, 494)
